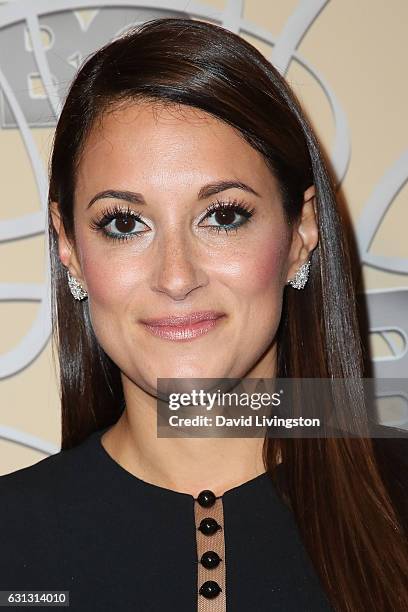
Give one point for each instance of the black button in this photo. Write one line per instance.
(206, 498)
(208, 526)
(210, 559)
(210, 589)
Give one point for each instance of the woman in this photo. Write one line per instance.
(170, 134)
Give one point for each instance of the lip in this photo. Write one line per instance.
(184, 320)
(184, 328)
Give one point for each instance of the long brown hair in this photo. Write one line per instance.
(348, 522)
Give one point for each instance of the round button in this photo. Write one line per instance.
(210, 559)
(210, 589)
(208, 526)
(206, 498)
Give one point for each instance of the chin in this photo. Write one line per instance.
(183, 380)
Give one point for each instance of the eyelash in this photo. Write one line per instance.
(117, 212)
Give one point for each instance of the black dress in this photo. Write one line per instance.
(77, 521)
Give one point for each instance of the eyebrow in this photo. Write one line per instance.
(205, 192)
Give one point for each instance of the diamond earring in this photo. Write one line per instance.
(300, 279)
(76, 288)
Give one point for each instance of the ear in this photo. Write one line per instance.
(305, 234)
(66, 248)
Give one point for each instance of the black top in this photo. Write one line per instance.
(77, 521)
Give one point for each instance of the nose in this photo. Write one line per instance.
(178, 265)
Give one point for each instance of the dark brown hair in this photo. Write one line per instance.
(343, 509)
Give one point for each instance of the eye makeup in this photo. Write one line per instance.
(124, 218)
(118, 223)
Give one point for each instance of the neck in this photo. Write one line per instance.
(183, 464)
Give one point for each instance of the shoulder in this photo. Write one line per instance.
(28, 521)
(35, 502)
(24, 482)
(36, 487)
(391, 451)
(391, 448)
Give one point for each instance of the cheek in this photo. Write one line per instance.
(112, 282)
(110, 276)
(267, 266)
(259, 269)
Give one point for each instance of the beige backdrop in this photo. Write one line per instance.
(347, 62)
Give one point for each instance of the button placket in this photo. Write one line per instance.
(209, 519)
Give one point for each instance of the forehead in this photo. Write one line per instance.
(166, 144)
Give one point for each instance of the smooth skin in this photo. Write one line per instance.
(177, 264)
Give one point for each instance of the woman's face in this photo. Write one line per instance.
(169, 166)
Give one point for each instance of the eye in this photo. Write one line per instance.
(119, 224)
(123, 224)
(224, 215)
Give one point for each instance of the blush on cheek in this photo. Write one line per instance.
(106, 280)
(252, 270)
(264, 269)
(98, 279)
(110, 272)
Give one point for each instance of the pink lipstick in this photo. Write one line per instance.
(183, 327)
